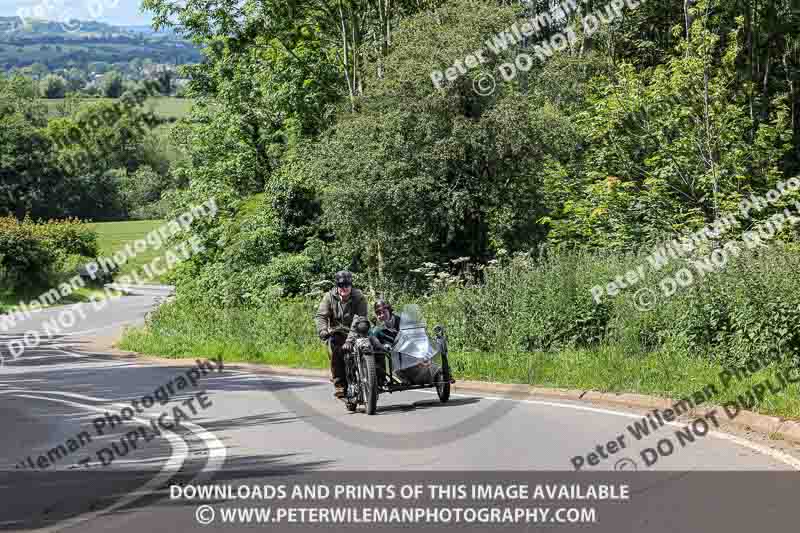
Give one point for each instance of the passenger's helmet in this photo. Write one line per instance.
(381, 304)
(344, 278)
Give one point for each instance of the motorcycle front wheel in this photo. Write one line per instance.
(370, 381)
(443, 380)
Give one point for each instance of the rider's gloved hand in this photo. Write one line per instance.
(325, 334)
(347, 346)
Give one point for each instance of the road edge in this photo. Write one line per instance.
(769, 426)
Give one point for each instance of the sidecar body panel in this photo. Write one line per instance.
(414, 359)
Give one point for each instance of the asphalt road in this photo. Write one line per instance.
(66, 464)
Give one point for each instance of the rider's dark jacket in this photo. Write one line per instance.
(335, 314)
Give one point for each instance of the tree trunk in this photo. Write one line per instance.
(346, 59)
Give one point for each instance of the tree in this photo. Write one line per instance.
(113, 85)
(30, 181)
(354, 31)
(76, 79)
(38, 70)
(164, 79)
(669, 148)
(143, 187)
(53, 86)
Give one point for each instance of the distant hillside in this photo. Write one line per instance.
(148, 30)
(59, 46)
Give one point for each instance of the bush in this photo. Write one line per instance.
(113, 85)
(33, 253)
(739, 315)
(188, 324)
(543, 305)
(68, 237)
(158, 210)
(25, 260)
(142, 187)
(53, 86)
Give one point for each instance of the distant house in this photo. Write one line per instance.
(95, 80)
(152, 71)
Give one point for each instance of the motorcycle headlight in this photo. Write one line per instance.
(363, 343)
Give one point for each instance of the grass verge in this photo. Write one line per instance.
(284, 336)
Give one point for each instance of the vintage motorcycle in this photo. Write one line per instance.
(410, 362)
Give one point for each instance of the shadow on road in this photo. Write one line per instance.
(424, 404)
(32, 500)
(35, 497)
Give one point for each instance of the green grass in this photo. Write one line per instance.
(284, 335)
(113, 236)
(142, 341)
(607, 370)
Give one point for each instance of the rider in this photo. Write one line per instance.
(334, 319)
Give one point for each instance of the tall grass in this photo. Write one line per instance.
(535, 322)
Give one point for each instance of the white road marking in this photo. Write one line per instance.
(37, 357)
(217, 453)
(180, 452)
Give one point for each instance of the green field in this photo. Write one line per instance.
(113, 236)
(163, 106)
(169, 106)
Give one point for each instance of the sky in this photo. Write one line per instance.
(116, 12)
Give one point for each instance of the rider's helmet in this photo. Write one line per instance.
(344, 278)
